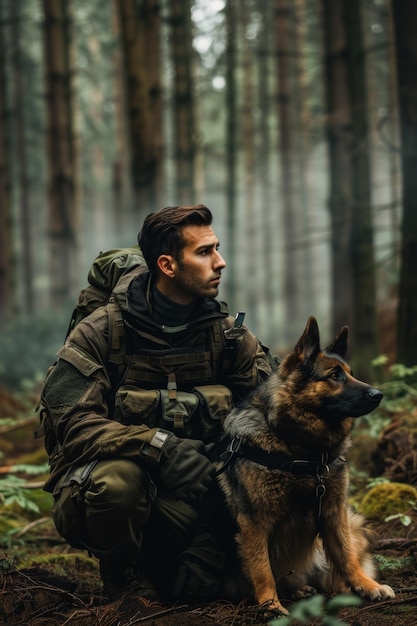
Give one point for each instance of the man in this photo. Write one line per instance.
(128, 445)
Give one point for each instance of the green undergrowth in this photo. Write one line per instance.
(317, 607)
(390, 564)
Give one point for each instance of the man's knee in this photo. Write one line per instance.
(117, 494)
(119, 487)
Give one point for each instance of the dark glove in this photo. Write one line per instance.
(184, 471)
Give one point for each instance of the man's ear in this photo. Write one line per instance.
(167, 265)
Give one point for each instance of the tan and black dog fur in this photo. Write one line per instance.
(287, 484)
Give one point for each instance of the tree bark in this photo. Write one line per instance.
(405, 24)
(338, 138)
(25, 217)
(6, 265)
(144, 161)
(62, 158)
(249, 172)
(185, 132)
(353, 272)
(364, 329)
(285, 104)
(153, 54)
(231, 149)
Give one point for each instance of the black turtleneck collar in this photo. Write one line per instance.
(166, 312)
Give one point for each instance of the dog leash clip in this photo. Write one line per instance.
(227, 456)
(320, 491)
(323, 471)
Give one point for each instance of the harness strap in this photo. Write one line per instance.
(310, 466)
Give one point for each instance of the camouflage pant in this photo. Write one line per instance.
(115, 512)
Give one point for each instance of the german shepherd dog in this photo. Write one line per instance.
(286, 480)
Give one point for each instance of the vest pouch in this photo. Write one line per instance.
(216, 402)
(133, 405)
(178, 411)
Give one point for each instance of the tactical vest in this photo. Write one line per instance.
(172, 387)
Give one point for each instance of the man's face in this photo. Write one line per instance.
(197, 273)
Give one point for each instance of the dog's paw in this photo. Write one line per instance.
(303, 592)
(274, 606)
(379, 592)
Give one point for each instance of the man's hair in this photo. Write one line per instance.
(162, 231)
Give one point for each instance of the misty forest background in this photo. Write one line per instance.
(295, 121)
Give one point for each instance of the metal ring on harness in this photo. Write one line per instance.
(228, 454)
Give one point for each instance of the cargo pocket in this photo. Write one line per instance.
(137, 406)
(216, 403)
(177, 412)
(66, 515)
(68, 509)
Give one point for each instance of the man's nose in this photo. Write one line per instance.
(219, 261)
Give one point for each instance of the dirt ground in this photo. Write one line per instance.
(60, 586)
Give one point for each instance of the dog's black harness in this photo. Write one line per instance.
(310, 466)
(318, 466)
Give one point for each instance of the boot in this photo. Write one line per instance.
(127, 579)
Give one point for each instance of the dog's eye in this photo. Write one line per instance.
(336, 375)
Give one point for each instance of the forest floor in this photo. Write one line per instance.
(43, 582)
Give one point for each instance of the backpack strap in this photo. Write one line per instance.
(117, 344)
(117, 333)
(231, 336)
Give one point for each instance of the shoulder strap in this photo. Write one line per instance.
(117, 345)
(232, 334)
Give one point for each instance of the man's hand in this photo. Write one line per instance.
(184, 471)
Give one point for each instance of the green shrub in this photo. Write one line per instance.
(388, 499)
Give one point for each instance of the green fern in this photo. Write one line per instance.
(316, 607)
(12, 492)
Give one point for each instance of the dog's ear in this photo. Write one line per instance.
(340, 344)
(306, 349)
(308, 346)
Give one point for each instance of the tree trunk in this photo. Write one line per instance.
(405, 23)
(393, 155)
(285, 104)
(63, 198)
(307, 293)
(185, 133)
(153, 55)
(6, 265)
(231, 149)
(338, 138)
(353, 280)
(270, 250)
(364, 329)
(121, 181)
(25, 217)
(251, 243)
(142, 147)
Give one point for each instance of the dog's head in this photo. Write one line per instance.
(324, 379)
